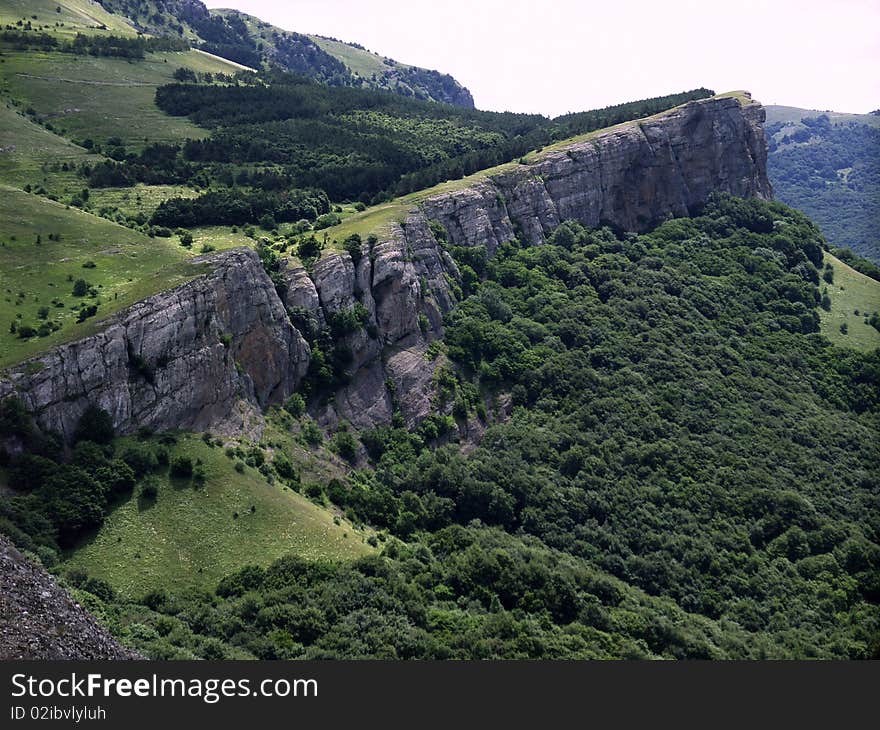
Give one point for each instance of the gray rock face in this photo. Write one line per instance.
(200, 356)
(211, 353)
(632, 176)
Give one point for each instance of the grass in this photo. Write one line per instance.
(361, 63)
(795, 115)
(76, 16)
(138, 199)
(98, 98)
(128, 267)
(189, 537)
(33, 155)
(851, 291)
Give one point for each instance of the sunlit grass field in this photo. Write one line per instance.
(851, 292)
(191, 536)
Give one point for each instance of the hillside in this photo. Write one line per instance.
(186, 538)
(851, 321)
(826, 164)
(580, 480)
(292, 367)
(252, 42)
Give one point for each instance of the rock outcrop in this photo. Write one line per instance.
(213, 352)
(632, 176)
(39, 619)
(203, 355)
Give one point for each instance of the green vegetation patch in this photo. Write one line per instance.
(190, 536)
(855, 299)
(64, 17)
(32, 155)
(101, 98)
(360, 62)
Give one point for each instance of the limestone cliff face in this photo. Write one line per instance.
(201, 356)
(212, 352)
(632, 176)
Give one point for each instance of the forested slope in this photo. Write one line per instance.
(830, 169)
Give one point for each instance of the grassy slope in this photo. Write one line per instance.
(99, 98)
(361, 63)
(795, 114)
(129, 265)
(30, 153)
(189, 538)
(77, 16)
(851, 291)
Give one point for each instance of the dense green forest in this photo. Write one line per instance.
(688, 470)
(832, 173)
(354, 144)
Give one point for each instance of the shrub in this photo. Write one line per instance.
(352, 245)
(149, 491)
(81, 288)
(140, 458)
(182, 467)
(283, 467)
(345, 445)
(312, 433)
(295, 405)
(95, 425)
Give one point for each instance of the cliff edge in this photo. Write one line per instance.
(214, 352)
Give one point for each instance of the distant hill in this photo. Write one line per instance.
(248, 40)
(828, 165)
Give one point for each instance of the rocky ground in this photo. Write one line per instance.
(39, 619)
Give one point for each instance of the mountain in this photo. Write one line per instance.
(828, 165)
(247, 40)
(293, 369)
(724, 152)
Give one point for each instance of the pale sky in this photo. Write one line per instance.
(557, 56)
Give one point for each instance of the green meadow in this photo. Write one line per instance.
(190, 536)
(84, 97)
(854, 297)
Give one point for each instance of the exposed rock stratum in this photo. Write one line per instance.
(212, 353)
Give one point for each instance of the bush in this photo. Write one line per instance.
(283, 467)
(140, 458)
(81, 288)
(149, 491)
(312, 433)
(328, 220)
(95, 425)
(345, 445)
(295, 405)
(182, 467)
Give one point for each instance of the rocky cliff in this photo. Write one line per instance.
(213, 352)
(206, 354)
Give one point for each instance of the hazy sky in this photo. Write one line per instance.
(557, 56)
